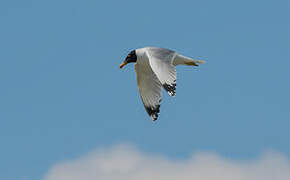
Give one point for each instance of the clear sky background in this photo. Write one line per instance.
(63, 95)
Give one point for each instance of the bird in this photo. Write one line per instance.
(155, 69)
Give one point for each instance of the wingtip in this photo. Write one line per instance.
(170, 88)
(154, 119)
(153, 112)
(172, 94)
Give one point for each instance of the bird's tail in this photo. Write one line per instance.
(180, 59)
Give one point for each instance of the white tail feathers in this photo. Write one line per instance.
(199, 61)
(180, 59)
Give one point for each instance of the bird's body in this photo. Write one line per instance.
(155, 68)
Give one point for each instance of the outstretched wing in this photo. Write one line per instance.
(161, 63)
(150, 90)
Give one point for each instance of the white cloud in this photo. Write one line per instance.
(126, 163)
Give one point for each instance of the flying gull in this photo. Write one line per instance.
(155, 68)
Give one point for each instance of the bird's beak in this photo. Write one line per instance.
(123, 64)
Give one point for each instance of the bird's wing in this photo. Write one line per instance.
(150, 90)
(161, 63)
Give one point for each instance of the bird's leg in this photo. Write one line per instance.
(191, 63)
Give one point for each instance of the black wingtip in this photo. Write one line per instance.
(153, 111)
(170, 88)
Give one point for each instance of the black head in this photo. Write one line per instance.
(131, 57)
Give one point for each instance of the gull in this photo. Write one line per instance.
(155, 68)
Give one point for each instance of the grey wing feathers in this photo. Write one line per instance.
(161, 63)
(150, 90)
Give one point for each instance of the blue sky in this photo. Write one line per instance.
(62, 94)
